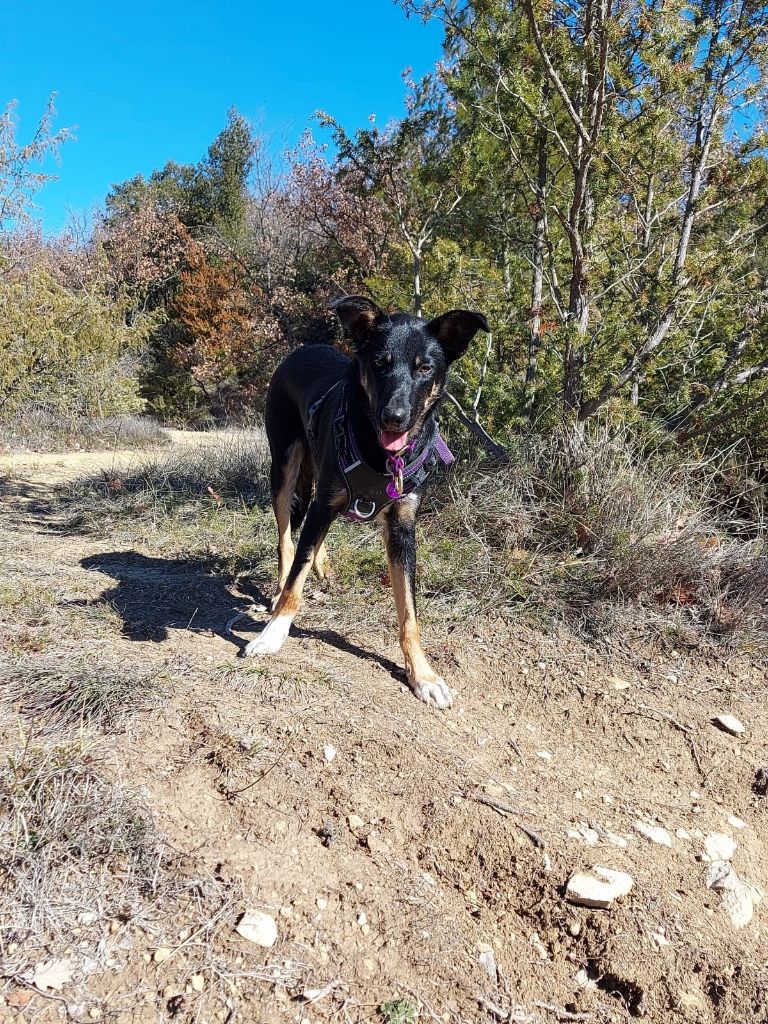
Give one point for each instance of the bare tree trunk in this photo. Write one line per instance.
(537, 275)
(417, 281)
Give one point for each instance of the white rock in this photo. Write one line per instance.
(488, 961)
(598, 888)
(322, 903)
(739, 905)
(197, 981)
(355, 821)
(618, 683)
(257, 927)
(329, 752)
(681, 833)
(535, 940)
(735, 822)
(545, 755)
(362, 918)
(161, 954)
(719, 846)
(655, 833)
(660, 939)
(730, 724)
(615, 839)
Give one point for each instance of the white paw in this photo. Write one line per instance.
(435, 692)
(270, 639)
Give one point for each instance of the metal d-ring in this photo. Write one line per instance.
(366, 501)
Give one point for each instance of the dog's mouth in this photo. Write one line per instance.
(392, 441)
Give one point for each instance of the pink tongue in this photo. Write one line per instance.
(393, 442)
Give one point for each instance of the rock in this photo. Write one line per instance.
(545, 755)
(655, 833)
(739, 898)
(161, 954)
(535, 940)
(615, 840)
(618, 683)
(681, 833)
(362, 918)
(598, 888)
(735, 822)
(355, 821)
(719, 846)
(488, 961)
(197, 981)
(257, 927)
(660, 939)
(730, 724)
(760, 785)
(329, 752)
(321, 903)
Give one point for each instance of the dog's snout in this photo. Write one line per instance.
(394, 417)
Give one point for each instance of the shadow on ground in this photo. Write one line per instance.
(156, 595)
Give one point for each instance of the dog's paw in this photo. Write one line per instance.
(434, 692)
(270, 639)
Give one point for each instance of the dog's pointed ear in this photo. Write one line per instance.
(359, 316)
(455, 329)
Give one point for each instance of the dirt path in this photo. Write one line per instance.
(371, 828)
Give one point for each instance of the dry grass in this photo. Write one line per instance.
(56, 692)
(566, 527)
(71, 838)
(40, 429)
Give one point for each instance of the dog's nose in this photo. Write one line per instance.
(394, 417)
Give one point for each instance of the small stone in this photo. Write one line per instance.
(365, 929)
(729, 724)
(329, 752)
(488, 961)
(607, 798)
(362, 918)
(355, 821)
(719, 846)
(574, 928)
(598, 888)
(681, 833)
(660, 939)
(582, 978)
(618, 683)
(197, 981)
(545, 755)
(161, 954)
(184, 934)
(615, 840)
(257, 927)
(94, 1013)
(146, 957)
(739, 905)
(535, 940)
(321, 903)
(735, 822)
(655, 833)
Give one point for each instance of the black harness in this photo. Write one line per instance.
(368, 491)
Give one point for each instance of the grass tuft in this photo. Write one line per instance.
(40, 429)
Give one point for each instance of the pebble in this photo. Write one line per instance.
(618, 683)
(355, 821)
(362, 918)
(321, 903)
(257, 927)
(598, 888)
(545, 755)
(161, 954)
(719, 846)
(197, 981)
(730, 724)
(735, 822)
(739, 898)
(329, 752)
(655, 833)
(681, 833)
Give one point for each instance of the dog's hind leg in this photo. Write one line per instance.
(400, 540)
(283, 478)
(320, 562)
(319, 518)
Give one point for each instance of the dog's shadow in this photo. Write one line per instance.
(154, 596)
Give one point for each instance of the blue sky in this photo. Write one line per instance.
(148, 82)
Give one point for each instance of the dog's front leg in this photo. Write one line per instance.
(319, 518)
(400, 540)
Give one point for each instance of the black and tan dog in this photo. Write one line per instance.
(358, 437)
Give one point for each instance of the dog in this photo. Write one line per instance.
(358, 437)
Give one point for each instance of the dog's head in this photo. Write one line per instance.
(403, 361)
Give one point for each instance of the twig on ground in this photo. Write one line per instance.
(560, 1012)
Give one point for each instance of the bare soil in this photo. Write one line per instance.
(387, 876)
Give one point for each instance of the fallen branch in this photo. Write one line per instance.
(494, 449)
